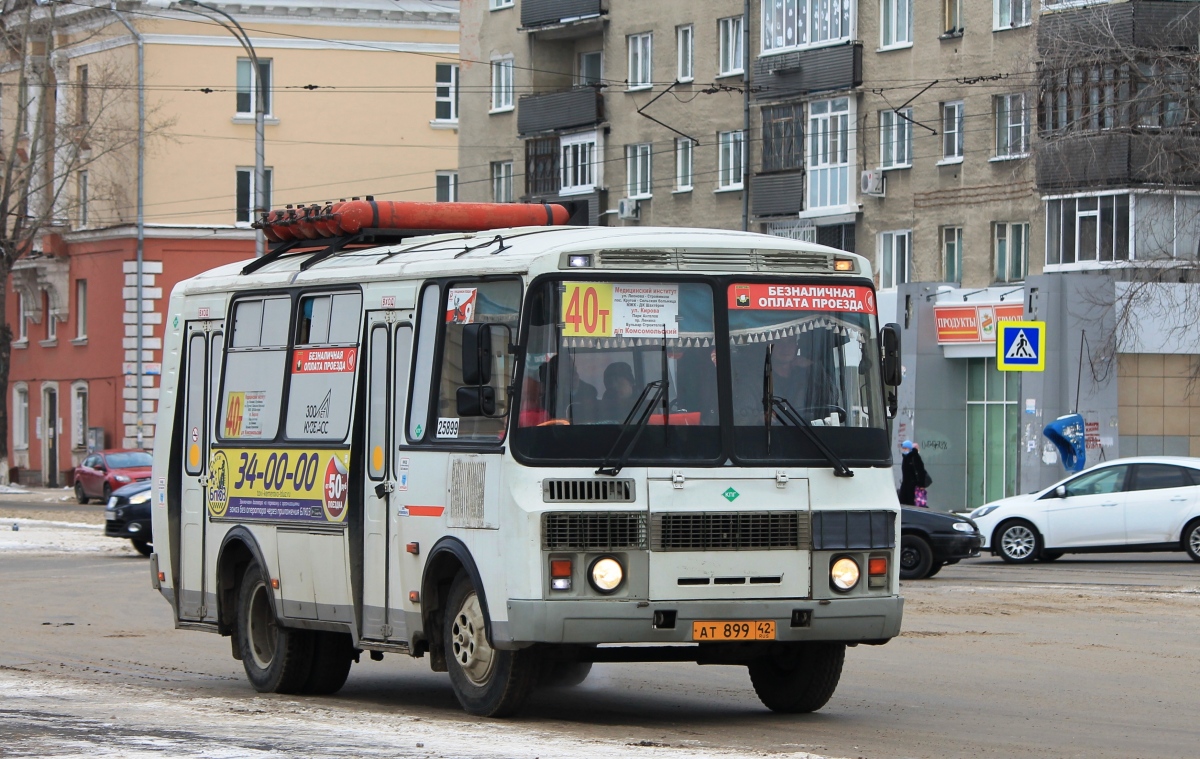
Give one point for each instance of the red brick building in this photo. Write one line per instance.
(73, 312)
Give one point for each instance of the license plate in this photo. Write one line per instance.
(758, 629)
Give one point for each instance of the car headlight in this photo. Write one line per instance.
(844, 573)
(145, 496)
(606, 574)
(964, 526)
(983, 511)
(121, 478)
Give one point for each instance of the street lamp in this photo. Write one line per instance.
(260, 190)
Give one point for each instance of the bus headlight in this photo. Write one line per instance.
(844, 573)
(606, 574)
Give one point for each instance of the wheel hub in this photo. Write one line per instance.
(1194, 540)
(908, 558)
(1018, 542)
(264, 631)
(468, 640)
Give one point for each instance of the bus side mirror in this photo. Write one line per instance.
(476, 401)
(477, 354)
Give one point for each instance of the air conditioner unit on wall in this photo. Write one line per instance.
(872, 183)
(628, 209)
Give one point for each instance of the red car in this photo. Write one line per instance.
(103, 472)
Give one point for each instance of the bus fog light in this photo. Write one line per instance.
(560, 583)
(844, 573)
(606, 574)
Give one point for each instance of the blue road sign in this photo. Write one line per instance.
(1021, 347)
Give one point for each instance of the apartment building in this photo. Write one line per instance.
(360, 98)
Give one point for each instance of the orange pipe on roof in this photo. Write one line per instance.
(458, 217)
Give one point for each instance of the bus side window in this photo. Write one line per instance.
(254, 369)
(401, 354)
(194, 462)
(418, 418)
(321, 394)
(377, 398)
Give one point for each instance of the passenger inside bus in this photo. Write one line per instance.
(618, 392)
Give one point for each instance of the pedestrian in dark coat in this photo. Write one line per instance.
(912, 474)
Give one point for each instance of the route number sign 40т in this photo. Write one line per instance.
(587, 309)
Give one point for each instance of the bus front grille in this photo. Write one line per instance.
(586, 490)
(593, 531)
(725, 531)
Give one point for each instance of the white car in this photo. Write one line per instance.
(1149, 503)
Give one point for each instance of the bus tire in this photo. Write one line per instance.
(799, 679)
(333, 653)
(487, 682)
(564, 674)
(277, 659)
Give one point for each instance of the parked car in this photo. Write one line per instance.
(127, 515)
(1148, 503)
(102, 472)
(929, 540)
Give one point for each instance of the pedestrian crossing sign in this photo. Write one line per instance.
(1021, 347)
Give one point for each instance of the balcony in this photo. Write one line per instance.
(563, 19)
(801, 72)
(1116, 159)
(777, 194)
(554, 111)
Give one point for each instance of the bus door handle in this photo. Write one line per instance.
(385, 488)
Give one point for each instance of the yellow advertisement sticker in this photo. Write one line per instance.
(587, 309)
(290, 485)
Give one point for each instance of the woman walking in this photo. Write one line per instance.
(913, 477)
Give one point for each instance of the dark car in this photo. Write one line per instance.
(929, 540)
(102, 472)
(127, 515)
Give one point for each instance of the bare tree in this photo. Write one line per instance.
(54, 128)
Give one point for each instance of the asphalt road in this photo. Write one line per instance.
(1086, 657)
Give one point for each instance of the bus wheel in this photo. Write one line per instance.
(333, 653)
(487, 682)
(277, 659)
(564, 674)
(799, 679)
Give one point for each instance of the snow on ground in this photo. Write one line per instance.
(48, 716)
(39, 536)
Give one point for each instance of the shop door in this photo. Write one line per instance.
(51, 425)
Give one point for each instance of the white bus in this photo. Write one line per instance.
(522, 451)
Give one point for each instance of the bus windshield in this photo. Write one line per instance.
(594, 348)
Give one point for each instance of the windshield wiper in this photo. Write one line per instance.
(768, 393)
(788, 415)
(656, 390)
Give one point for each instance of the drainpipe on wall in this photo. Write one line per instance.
(746, 116)
(141, 217)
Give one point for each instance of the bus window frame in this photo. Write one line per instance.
(428, 441)
(300, 295)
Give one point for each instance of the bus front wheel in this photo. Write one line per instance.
(799, 678)
(277, 659)
(488, 682)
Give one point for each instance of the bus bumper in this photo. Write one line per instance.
(594, 622)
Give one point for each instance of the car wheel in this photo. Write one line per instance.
(1018, 542)
(916, 557)
(80, 496)
(141, 546)
(1050, 555)
(107, 493)
(1191, 539)
(277, 659)
(488, 682)
(937, 567)
(798, 677)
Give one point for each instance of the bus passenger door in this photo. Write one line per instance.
(387, 388)
(200, 376)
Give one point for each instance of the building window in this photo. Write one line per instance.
(51, 322)
(502, 85)
(579, 163)
(446, 93)
(1089, 229)
(1011, 251)
(83, 199)
(683, 164)
(1151, 94)
(952, 131)
(895, 251)
(895, 139)
(79, 415)
(542, 176)
(20, 420)
(783, 137)
(1012, 126)
(591, 69)
(1008, 14)
(447, 186)
(952, 254)
(794, 229)
(637, 170)
(952, 15)
(22, 319)
(502, 181)
(829, 153)
(496, 5)
(81, 97)
(246, 193)
(247, 82)
(895, 28)
(81, 305)
(789, 24)
(729, 34)
(684, 38)
(640, 70)
(993, 427)
(731, 155)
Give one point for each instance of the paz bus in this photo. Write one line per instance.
(479, 434)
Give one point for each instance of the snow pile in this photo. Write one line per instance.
(38, 536)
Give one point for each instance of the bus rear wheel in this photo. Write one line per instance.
(277, 659)
(798, 678)
(488, 682)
